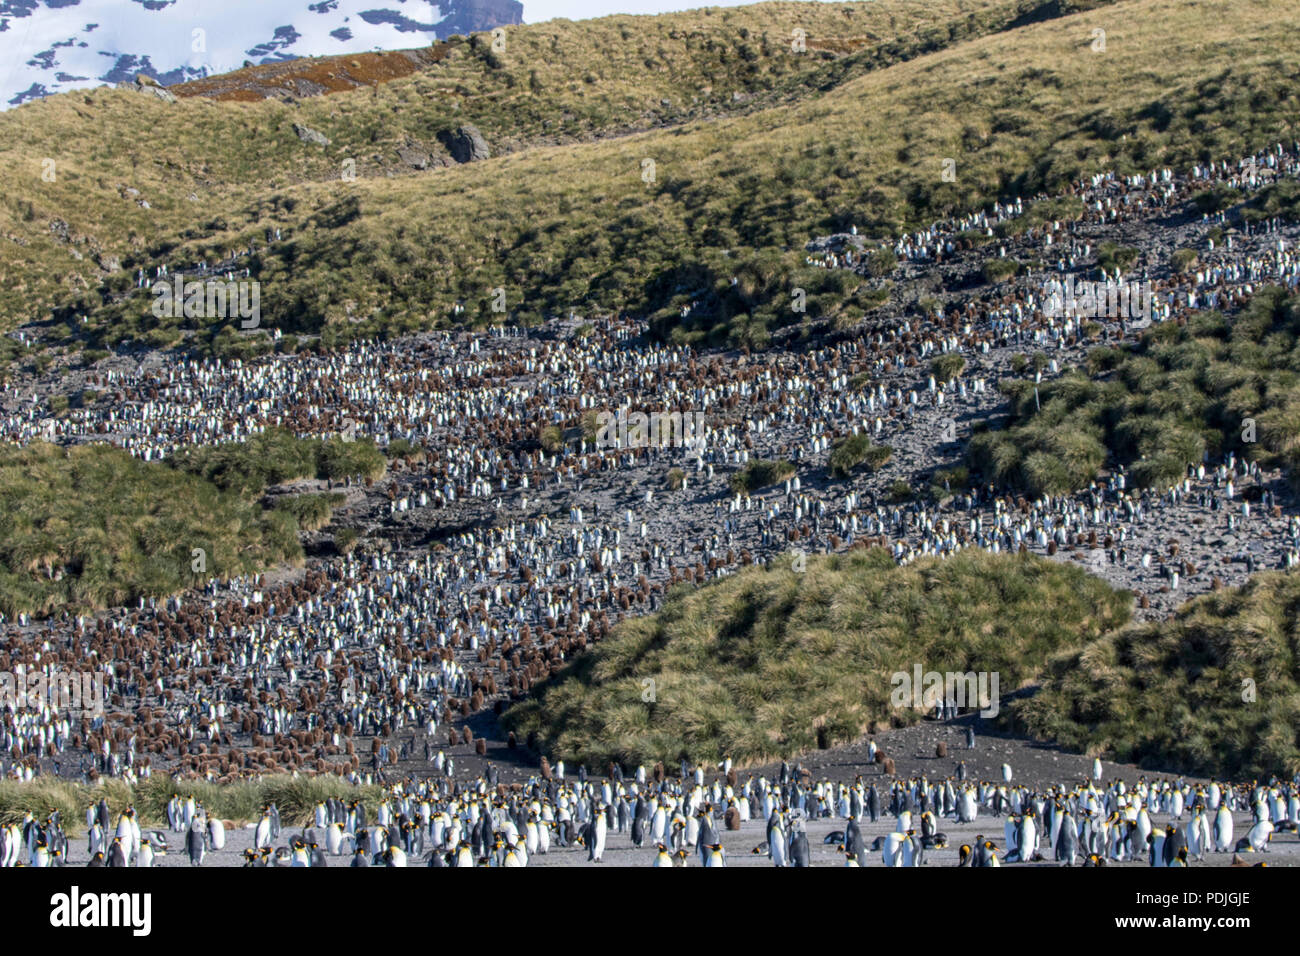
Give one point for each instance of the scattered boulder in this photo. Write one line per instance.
(465, 143)
(413, 156)
(309, 135)
(417, 155)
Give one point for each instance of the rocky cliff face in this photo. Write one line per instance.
(52, 46)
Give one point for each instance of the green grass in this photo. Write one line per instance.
(769, 663)
(760, 473)
(311, 512)
(90, 526)
(1174, 695)
(276, 456)
(856, 450)
(1280, 199)
(1159, 406)
(947, 367)
(1112, 256)
(999, 270)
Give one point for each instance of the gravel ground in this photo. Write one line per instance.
(1033, 764)
(739, 845)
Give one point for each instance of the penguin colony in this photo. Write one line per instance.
(681, 821)
(361, 662)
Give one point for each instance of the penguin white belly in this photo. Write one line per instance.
(657, 825)
(776, 846)
(1223, 830)
(1258, 835)
(892, 852)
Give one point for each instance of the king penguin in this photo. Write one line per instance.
(194, 844)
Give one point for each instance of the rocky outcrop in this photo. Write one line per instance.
(417, 155)
(465, 143)
(309, 135)
(147, 84)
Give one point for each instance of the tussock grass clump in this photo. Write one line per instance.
(769, 662)
(1112, 256)
(1279, 199)
(999, 270)
(90, 526)
(857, 450)
(760, 473)
(240, 801)
(1207, 386)
(1214, 690)
(41, 797)
(312, 512)
(947, 367)
(276, 456)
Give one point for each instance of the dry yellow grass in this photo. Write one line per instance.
(768, 663)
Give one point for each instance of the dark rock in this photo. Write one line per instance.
(465, 143)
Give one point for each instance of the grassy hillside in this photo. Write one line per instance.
(222, 171)
(91, 526)
(735, 193)
(1215, 690)
(769, 663)
(1157, 407)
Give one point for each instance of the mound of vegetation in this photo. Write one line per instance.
(760, 473)
(277, 455)
(769, 662)
(1214, 690)
(312, 512)
(999, 270)
(1280, 199)
(91, 526)
(857, 450)
(1207, 386)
